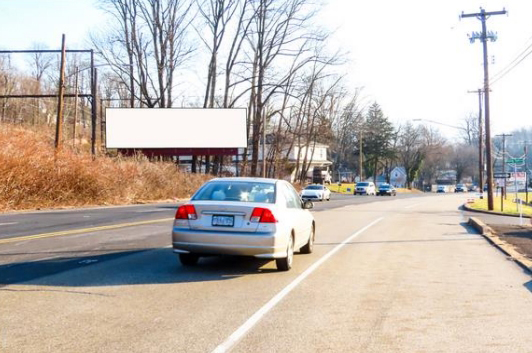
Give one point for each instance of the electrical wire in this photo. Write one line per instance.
(518, 59)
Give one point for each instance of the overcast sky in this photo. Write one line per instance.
(413, 56)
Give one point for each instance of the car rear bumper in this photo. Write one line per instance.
(261, 245)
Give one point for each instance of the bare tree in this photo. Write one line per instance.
(463, 161)
(411, 152)
(279, 26)
(147, 46)
(469, 130)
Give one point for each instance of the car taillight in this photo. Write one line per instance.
(186, 212)
(262, 215)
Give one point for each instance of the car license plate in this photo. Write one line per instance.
(223, 221)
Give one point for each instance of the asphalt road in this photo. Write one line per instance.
(395, 275)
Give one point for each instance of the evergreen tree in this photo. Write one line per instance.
(377, 139)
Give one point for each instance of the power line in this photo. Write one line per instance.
(508, 69)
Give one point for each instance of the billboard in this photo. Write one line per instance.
(147, 128)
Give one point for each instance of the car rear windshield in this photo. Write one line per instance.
(238, 191)
(314, 187)
(362, 184)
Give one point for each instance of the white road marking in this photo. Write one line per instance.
(414, 205)
(150, 211)
(7, 223)
(231, 341)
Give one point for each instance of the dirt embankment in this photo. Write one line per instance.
(33, 176)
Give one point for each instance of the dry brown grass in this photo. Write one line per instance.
(32, 177)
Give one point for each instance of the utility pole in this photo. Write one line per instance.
(59, 121)
(94, 111)
(504, 136)
(75, 108)
(526, 171)
(480, 141)
(360, 157)
(263, 144)
(483, 37)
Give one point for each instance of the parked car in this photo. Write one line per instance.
(386, 189)
(316, 192)
(472, 188)
(460, 188)
(365, 188)
(264, 218)
(441, 188)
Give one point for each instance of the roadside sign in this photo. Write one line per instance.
(515, 161)
(501, 175)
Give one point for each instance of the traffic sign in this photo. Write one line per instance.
(515, 161)
(501, 175)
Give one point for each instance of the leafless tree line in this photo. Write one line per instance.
(266, 55)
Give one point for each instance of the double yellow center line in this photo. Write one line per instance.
(80, 231)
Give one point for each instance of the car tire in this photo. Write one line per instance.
(285, 263)
(188, 259)
(309, 246)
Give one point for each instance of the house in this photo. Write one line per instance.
(398, 177)
(316, 156)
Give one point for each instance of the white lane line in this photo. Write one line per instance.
(7, 223)
(414, 205)
(150, 211)
(231, 341)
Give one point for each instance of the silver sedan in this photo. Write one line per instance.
(264, 218)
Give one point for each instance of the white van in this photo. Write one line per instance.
(365, 188)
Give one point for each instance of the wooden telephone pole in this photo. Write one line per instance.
(480, 141)
(483, 37)
(60, 100)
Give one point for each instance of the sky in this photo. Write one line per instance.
(413, 57)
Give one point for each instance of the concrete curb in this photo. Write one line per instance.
(488, 233)
(467, 208)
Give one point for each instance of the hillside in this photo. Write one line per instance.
(31, 177)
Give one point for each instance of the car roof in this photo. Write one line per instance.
(249, 179)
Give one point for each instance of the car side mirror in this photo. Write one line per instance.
(307, 205)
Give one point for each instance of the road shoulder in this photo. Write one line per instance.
(493, 237)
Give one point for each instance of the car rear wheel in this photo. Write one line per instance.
(285, 263)
(309, 247)
(188, 259)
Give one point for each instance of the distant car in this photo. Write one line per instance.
(441, 188)
(460, 188)
(316, 192)
(365, 188)
(386, 189)
(264, 218)
(472, 188)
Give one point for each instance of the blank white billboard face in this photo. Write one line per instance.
(175, 128)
